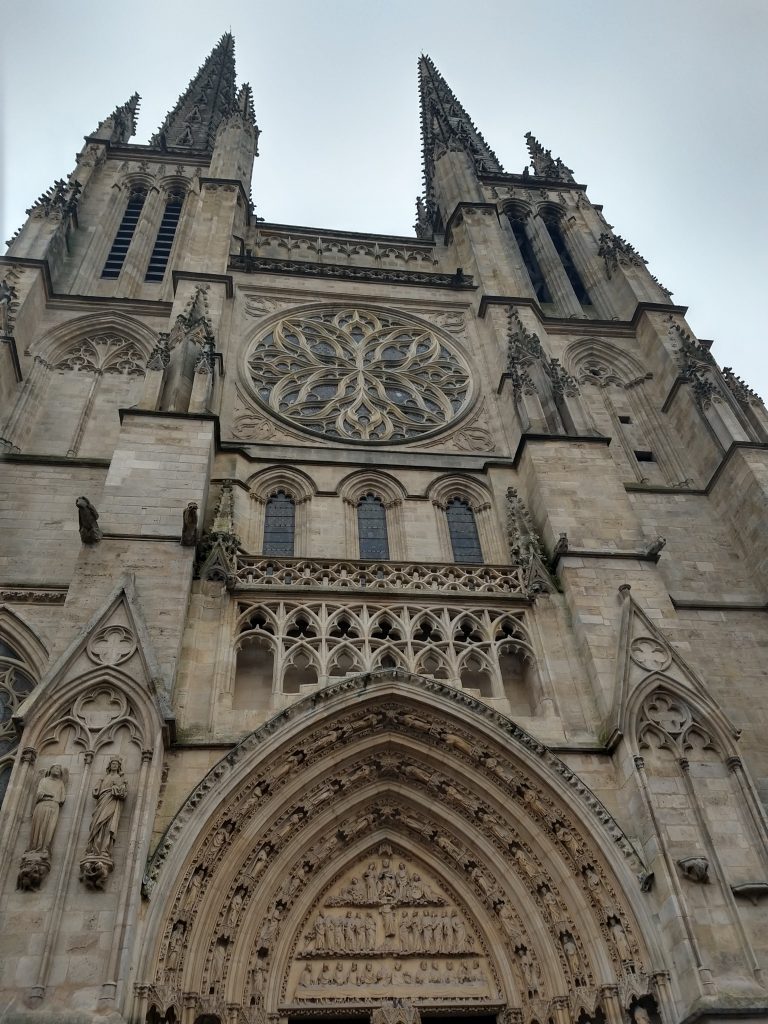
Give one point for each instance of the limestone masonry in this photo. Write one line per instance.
(382, 620)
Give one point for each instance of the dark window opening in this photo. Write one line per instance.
(279, 525)
(625, 419)
(644, 456)
(158, 261)
(565, 258)
(372, 528)
(462, 527)
(119, 249)
(529, 259)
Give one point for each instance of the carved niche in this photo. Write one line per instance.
(388, 928)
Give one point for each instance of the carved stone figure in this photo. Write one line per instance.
(695, 868)
(7, 296)
(189, 527)
(36, 862)
(109, 793)
(88, 521)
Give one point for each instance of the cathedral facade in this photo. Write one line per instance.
(382, 619)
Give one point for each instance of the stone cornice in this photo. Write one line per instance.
(573, 325)
(266, 265)
(526, 439)
(145, 307)
(531, 181)
(362, 236)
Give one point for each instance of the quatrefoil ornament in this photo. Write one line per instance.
(112, 645)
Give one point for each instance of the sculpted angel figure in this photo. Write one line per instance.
(109, 793)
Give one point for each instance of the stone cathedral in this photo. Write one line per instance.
(382, 619)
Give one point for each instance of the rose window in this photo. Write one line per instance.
(354, 375)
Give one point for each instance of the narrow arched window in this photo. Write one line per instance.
(125, 232)
(540, 288)
(279, 525)
(555, 233)
(15, 684)
(372, 528)
(462, 527)
(158, 261)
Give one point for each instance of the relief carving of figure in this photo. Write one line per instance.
(36, 862)
(110, 793)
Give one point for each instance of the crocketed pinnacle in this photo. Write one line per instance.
(445, 125)
(207, 100)
(120, 126)
(544, 164)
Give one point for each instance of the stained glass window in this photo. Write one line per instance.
(353, 374)
(372, 528)
(463, 530)
(279, 525)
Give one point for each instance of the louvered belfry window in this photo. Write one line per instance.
(462, 527)
(529, 259)
(158, 261)
(569, 266)
(372, 528)
(279, 525)
(125, 232)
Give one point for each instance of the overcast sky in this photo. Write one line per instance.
(659, 106)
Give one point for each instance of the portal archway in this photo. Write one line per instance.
(390, 837)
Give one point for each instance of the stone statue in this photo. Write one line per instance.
(36, 862)
(109, 793)
(88, 520)
(189, 527)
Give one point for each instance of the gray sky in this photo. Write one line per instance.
(659, 106)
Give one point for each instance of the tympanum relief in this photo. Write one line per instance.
(387, 925)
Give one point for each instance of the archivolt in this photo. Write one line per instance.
(388, 758)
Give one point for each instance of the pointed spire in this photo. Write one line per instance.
(120, 126)
(544, 164)
(445, 125)
(207, 100)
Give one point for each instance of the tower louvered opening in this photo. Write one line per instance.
(125, 232)
(161, 252)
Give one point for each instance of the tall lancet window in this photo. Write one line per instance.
(540, 288)
(125, 232)
(462, 527)
(279, 525)
(158, 261)
(569, 266)
(372, 528)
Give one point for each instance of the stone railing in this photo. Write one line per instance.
(426, 577)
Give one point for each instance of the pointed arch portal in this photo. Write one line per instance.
(391, 838)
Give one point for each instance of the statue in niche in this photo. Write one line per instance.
(36, 862)
(110, 793)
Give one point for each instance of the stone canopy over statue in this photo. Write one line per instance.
(110, 793)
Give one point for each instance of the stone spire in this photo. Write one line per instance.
(120, 126)
(445, 125)
(544, 164)
(207, 100)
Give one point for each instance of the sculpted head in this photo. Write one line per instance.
(55, 771)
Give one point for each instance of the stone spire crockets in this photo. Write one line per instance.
(544, 164)
(120, 126)
(445, 125)
(207, 100)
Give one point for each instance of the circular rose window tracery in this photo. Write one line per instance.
(355, 375)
